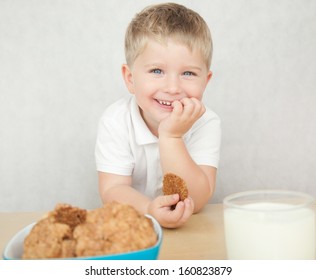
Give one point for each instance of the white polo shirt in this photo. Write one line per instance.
(125, 145)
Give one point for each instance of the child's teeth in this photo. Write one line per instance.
(167, 103)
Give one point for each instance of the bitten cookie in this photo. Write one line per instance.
(174, 184)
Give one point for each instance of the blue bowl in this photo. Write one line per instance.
(14, 248)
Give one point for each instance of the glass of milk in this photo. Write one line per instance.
(269, 224)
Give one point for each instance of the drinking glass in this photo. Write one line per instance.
(269, 224)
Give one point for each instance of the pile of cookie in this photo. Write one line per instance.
(68, 232)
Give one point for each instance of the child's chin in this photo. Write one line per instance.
(164, 115)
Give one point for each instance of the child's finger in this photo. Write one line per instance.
(177, 107)
(177, 214)
(168, 200)
(199, 107)
(188, 106)
(188, 209)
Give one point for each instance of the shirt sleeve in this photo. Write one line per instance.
(112, 150)
(205, 140)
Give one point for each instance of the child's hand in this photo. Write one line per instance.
(160, 208)
(185, 113)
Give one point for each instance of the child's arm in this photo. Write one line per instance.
(118, 188)
(175, 157)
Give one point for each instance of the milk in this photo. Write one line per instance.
(270, 231)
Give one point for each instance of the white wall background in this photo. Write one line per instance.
(60, 67)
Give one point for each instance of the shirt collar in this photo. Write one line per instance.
(142, 134)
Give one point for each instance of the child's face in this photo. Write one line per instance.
(162, 74)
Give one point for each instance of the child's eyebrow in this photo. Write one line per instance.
(157, 65)
(193, 67)
(154, 65)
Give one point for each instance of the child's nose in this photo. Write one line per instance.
(172, 84)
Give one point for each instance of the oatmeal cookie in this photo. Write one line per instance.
(173, 184)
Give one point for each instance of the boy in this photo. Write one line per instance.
(163, 125)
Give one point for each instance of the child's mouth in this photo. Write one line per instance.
(164, 103)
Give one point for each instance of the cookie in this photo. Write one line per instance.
(173, 184)
(68, 232)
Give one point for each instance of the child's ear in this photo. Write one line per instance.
(209, 76)
(128, 78)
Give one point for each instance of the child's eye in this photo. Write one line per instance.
(156, 71)
(188, 73)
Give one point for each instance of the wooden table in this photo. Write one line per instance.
(202, 237)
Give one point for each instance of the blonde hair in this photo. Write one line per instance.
(164, 21)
